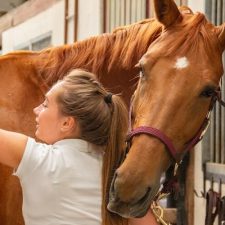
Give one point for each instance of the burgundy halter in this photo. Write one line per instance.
(166, 140)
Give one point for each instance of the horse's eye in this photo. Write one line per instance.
(208, 92)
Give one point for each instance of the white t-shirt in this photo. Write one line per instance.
(61, 183)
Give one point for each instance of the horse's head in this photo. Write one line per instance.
(179, 76)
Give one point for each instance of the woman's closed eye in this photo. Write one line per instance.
(44, 104)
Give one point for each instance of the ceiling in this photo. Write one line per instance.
(7, 5)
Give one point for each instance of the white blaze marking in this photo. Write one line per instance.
(181, 63)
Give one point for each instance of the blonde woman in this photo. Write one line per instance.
(65, 178)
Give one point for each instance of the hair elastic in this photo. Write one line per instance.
(108, 98)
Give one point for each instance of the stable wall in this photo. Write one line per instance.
(90, 18)
(47, 22)
(51, 21)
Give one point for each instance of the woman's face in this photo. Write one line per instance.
(48, 117)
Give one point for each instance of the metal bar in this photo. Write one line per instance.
(217, 133)
(212, 133)
(208, 9)
(213, 14)
(219, 12)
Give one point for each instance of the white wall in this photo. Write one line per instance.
(89, 21)
(197, 5)
(70, 21)
(51, 20)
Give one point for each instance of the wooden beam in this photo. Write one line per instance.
(76, 18)
(189, 193)
(104, 16)
(66, 8)
(147, 9)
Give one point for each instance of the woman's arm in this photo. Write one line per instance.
(12, 146)
(148, 219)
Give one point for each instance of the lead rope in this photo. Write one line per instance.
(158, 211)
(169, 186)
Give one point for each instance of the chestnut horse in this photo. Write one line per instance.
(172, 88)
(179, 81)
(26, 76)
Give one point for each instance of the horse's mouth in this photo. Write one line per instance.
(135, 209)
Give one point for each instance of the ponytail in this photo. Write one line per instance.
(114, 149)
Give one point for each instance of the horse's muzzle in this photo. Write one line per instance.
(135, 209)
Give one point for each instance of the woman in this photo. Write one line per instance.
(65, 179)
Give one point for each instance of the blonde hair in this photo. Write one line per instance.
(102, 119)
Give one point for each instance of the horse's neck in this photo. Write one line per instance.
(116, 52)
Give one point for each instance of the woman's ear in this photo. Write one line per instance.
(70, 125)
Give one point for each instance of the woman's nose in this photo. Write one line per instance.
(37, 110)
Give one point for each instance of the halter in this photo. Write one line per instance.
(165, 139)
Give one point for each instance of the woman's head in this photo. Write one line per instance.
(84, 98)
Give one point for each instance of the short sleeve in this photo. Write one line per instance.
(33, 155)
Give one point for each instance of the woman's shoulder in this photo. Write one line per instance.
(79, 145)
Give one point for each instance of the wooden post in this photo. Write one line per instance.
(189, 199)
(76, 17)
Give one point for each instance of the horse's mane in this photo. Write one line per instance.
(123, 47)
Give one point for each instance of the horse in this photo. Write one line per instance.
(26, 76)
(178, 85)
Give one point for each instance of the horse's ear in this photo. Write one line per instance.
(220, 30)
(166, 12)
